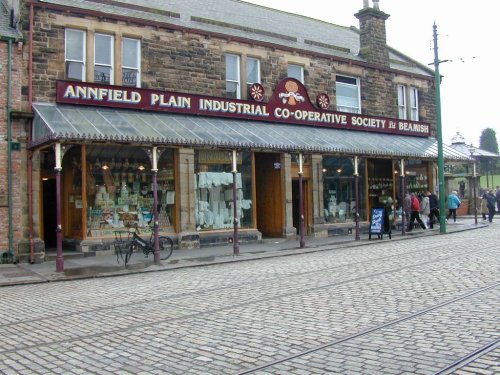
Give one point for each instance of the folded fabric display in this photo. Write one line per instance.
(211, 179)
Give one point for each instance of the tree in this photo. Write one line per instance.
(488, 140)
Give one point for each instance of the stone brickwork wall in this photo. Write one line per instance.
(18, 157)
(191, 63)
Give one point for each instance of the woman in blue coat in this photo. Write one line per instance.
(453, 204)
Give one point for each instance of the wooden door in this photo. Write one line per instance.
(269, 194)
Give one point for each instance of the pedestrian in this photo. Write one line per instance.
(497, 194)
(415, 212)
(462, 189)
(434, 208)
(484, 206)
(453, 204)
(407, 207)
(491, 205)
(425, 208)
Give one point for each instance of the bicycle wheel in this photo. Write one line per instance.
(166, 247)
(129, 252)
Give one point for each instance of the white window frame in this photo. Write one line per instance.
(343, 108)
(291, 74)
(137, 68)
(414, 115)
(112, 56)
(249, 81)
(69, 59)
(237, 81)
(402, 109)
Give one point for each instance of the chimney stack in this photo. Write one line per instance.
(373, 39)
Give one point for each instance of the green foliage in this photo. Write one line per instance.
(488, 140)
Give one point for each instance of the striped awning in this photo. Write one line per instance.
(75, 124)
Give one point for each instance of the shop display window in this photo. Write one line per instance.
(120, 190)
(381, 185)
(214, 190)
(339, 190)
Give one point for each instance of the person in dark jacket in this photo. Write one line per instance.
(491, 200)
(434, 207)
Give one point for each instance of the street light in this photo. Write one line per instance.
(437, 82)
(471, 150)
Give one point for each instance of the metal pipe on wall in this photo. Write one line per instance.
(30, 153)
(9, 154)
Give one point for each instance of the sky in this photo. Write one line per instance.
(467, 33)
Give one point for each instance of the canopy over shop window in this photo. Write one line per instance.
(79, 123)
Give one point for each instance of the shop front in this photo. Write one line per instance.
(126, 155)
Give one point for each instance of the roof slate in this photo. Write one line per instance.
(81, 123)
(245, 20)
(5, 29)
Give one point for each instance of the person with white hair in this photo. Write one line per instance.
(453, 204)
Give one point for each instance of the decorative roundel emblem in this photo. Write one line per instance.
(323, 101)
(257, 92)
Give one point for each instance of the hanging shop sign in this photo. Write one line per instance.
(289, 104)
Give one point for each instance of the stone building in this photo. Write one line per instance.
(191, 117)
(12, 134)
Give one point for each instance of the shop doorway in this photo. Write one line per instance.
(49, 213)
(269, 197)
(296, 204)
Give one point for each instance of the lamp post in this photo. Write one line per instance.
(301, 203)
(234, 171)
(58, 169)
(403, 191)
(474, 183)
(156, 226)
(437, 82)
(356, 192)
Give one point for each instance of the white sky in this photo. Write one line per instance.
(467, 35)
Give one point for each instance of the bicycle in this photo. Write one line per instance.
(127, 246)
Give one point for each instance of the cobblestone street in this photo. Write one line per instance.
(414, 306)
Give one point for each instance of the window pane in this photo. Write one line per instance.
(102, 74)
(130, 53)
(253, 71)
(214, 207)
(295, 71)
(74, 45)
(129, 77)
(232, 70)
(339, 190)
(103, 49)
(347, 96)
(74, 70)
(232, 90)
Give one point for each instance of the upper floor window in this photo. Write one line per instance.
(414, 104)
(404, 111)
(233, 76)
(348, 94)
(253, 71)
(131, 62)
(296, 71)
(104, 57)
(402, 102)
(75, 54)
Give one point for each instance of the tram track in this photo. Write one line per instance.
(469, 358)
(371, 330)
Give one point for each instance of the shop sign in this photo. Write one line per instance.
(289, 104)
